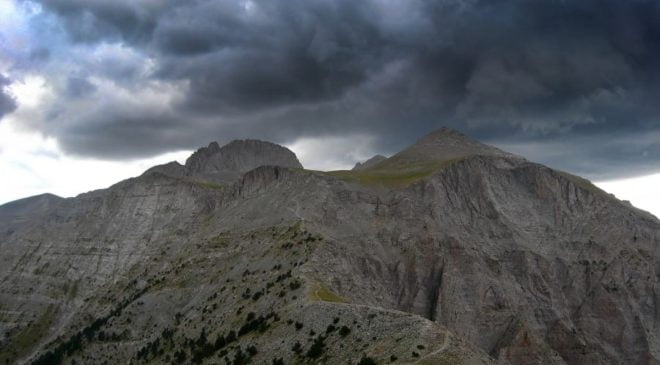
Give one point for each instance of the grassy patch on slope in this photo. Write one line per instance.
(393, 172)
(321, 293)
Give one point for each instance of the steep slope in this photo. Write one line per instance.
(518, 259)
(482, 258)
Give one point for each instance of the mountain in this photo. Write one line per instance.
(449, 252)
(445, 145)
(227, 163)
(28, 206)
(369, 163)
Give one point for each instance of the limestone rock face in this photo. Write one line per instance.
(226, 163)
(466, 255)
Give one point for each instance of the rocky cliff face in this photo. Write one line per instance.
(224, 165)
(448, 252)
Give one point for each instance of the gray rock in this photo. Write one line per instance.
(173, 169)
(225, 164)
(448, 252)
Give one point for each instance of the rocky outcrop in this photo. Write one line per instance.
(369, 163)
(465, 254)
(227, 163)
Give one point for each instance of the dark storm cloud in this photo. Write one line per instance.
(7, 102)
(517, 72)
(92, 21)
(78, 86)
(119, 133)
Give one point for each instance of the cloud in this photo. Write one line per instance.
(637, 153)
(333, 153)
(515, 72)
(7, 102)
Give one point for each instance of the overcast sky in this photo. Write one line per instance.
(94, 91)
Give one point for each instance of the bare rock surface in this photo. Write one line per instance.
(450, 252)
(227, 163)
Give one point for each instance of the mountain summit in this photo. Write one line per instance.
(240, 156)
(227, 163)
(448, 252)
(427, 156)
(444, 145)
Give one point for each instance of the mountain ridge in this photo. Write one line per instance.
(488, 258)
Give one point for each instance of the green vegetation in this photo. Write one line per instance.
(253, 323)
(208, 184)
(219, 241)
(74, 343)
(323, 294)
(317, 349)
(366, 360)
(27, 337)
(294, 285)
(393, 172)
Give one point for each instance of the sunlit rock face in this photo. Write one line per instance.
(450, 251)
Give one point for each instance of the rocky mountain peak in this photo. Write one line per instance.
(226, 163)
(447, 144)
(445, 132)
(369, 163)
(199, 157)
